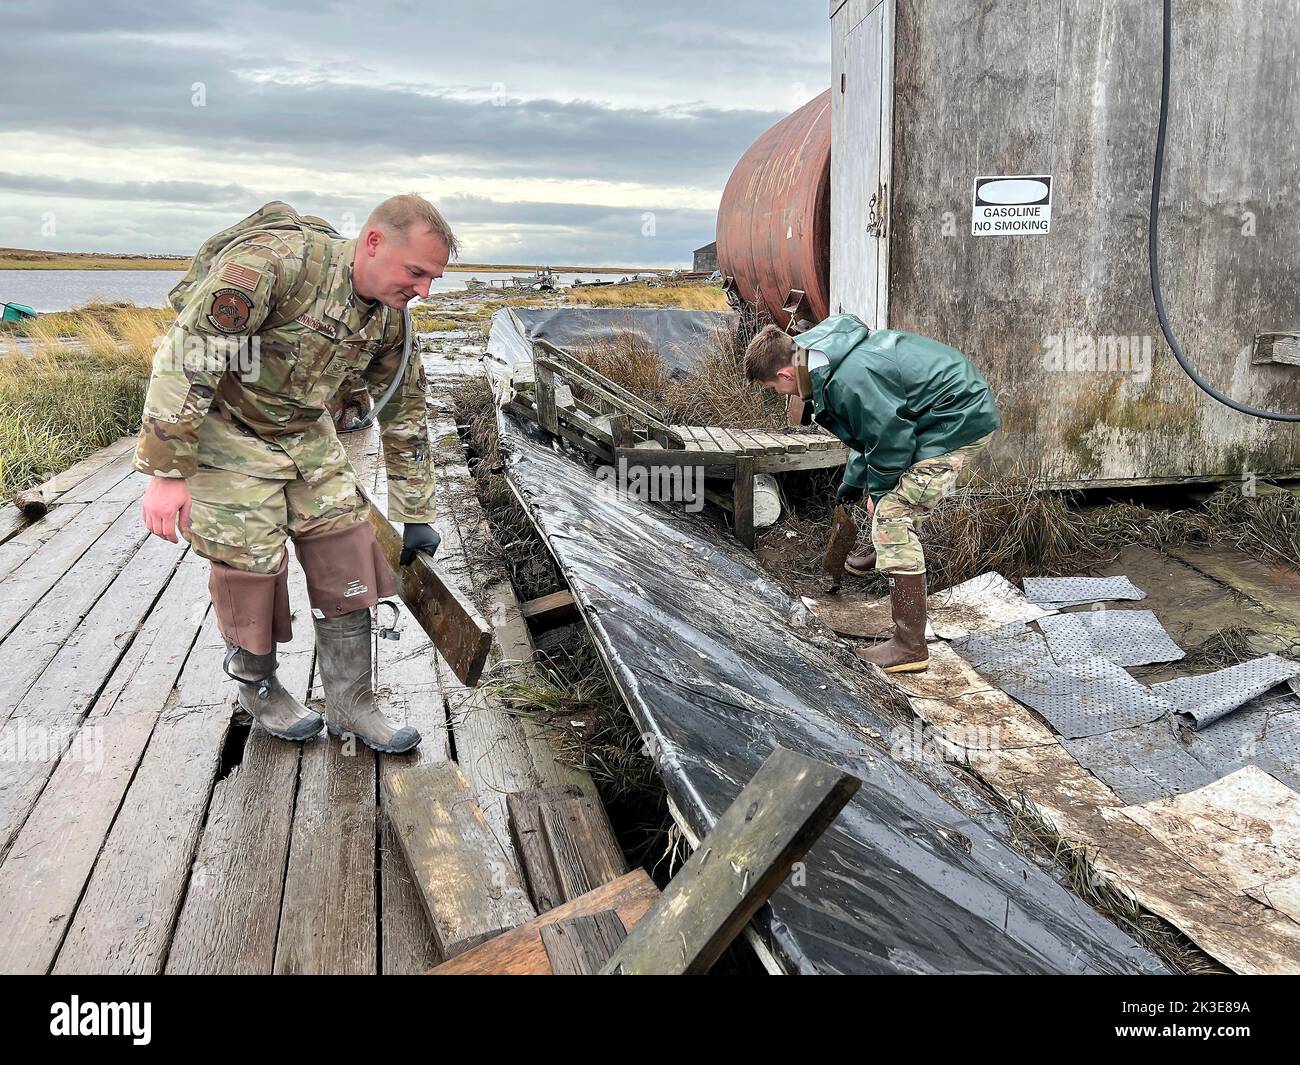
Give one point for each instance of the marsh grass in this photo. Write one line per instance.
(693, 296)
(75, 385)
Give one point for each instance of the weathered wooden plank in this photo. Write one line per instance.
(328, 912)
(45, 567)
(12, 522)
(19, 548)
(49, 715)
(115, 478)
(498, 750)
(742, 505)
(468, 883)
(44, 874)
(771, 824)
(813, 459)
(544, 397)
(407, 693)
(527, 411)
(564, 397)
(581, 842)
(443, 610)
(532, 846)
(580, 946)
(549, 610)
(520, 952)
(232, 908)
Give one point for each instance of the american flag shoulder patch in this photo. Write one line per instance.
(239, 274)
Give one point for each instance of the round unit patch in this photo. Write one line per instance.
(230, 310)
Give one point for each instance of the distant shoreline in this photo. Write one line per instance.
(24, 259)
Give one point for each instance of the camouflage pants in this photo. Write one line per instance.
(901, 511)
(244, 521)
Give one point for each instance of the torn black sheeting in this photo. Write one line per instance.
(708, 653)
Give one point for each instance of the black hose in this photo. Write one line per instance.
(1154, 221)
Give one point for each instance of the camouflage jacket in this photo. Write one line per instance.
(235, 388)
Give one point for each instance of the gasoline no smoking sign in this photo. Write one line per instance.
(1017, 205)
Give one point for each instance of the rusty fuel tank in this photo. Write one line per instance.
(774, 221)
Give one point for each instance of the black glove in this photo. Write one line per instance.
(848, 494)
(417, 536)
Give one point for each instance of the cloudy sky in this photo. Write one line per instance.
(556, 131)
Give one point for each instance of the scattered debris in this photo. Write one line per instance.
(1058, 592)
(1204, 699)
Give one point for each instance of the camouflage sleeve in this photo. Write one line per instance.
(404, 429)
(208, 339)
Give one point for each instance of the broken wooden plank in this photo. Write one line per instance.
(772, 823)
(549, 610)
(452, 621)
(580, 946)
(581, 843)
(531, 845)
(564, 842)
(467, 882)
(520, 952)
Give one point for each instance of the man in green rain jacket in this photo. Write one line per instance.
(912, 412)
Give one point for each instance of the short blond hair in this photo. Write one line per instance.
(398, 213)
(769, 351)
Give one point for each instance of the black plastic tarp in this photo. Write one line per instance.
(719, 665)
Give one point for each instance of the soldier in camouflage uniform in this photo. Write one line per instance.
(276, 314)
(912, 412)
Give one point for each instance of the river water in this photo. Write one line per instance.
(61, 290)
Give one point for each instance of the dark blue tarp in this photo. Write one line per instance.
(719, 665)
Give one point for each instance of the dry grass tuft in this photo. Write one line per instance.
(713, 392)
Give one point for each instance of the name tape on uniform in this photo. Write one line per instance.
(1017, 205)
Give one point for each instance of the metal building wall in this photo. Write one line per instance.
(991, 87)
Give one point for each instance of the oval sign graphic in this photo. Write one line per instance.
(1013, 190)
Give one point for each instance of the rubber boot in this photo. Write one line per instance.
(905, 651)
(861, 563)
(343, 652)
(263, 696)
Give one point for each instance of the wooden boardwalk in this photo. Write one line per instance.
(144, 828)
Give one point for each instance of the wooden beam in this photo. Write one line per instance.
(549, 610)
(521, 952)
(772, 823)
(742, 510)
(466, 881)
(452, 621)
(548, 416)
(580, 946)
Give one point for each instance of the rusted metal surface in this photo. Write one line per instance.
(774, 219)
